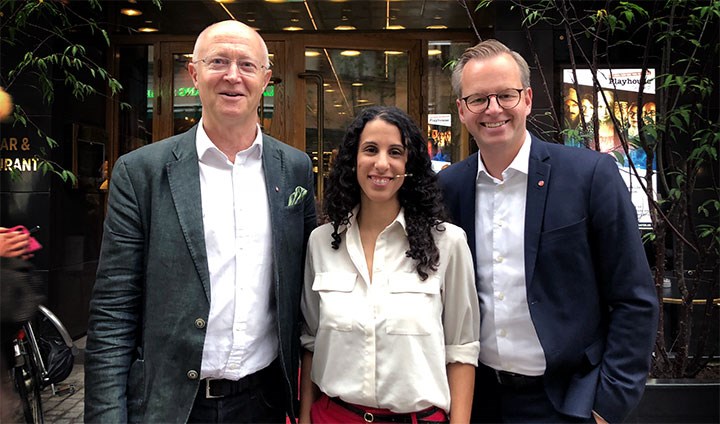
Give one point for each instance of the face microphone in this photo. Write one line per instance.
(403, 175)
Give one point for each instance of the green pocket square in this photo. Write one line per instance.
(297, 196)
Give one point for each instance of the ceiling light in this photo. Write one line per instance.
(394, 27)
(312, 53)
(276, 1)
(436, 27)
(337, 105)
(326, 84)
(147, 29)
(292, 28)
(350, 53)
(363, 101)
(130, 12)
(434, 52)
(344, 28)
(225, 1)
(357, 84)
(329, 90)
(294, 20)
(392, 52)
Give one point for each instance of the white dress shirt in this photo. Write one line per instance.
(386, 344)
(241, 329)
(507, 335)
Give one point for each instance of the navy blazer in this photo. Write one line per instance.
(590, 291)
(151, 299)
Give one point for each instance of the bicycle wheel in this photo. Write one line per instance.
(28, 385)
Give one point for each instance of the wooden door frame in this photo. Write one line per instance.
(292, 89)
(295, 65)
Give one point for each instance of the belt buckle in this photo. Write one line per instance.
(208, 395)
(498, 377)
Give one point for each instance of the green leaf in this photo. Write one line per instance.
(51, 142)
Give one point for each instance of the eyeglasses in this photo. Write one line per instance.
(219, 64)
(506, 99)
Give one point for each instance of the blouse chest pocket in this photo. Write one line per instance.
(413, 304)
(336, 299)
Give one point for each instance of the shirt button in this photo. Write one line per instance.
(192, 375)
(200, 323)
(501, 296)
(499, 259)
(502, 333)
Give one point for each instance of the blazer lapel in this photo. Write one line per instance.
(467, 197)
(538, 182)
(273, 162)
(184, 180)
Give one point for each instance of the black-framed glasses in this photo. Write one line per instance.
(506, 99)
(220, 64)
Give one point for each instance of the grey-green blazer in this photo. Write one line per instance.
(151, 297)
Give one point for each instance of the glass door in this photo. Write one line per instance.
(340, 81)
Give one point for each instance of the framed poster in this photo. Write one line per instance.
(585, 106)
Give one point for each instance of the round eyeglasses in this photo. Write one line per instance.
(506, 99)
(219, 64)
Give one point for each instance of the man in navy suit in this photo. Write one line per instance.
(568, 305)
(194, 314)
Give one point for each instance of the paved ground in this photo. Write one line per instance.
(66, 406)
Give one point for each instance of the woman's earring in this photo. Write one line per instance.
(353, 169)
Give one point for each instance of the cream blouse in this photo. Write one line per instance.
(386, 344)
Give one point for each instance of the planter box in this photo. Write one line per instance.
(678, 401)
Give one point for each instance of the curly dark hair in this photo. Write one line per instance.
(419, 195)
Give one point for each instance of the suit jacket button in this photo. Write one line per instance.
(200, 323)
(192, 375)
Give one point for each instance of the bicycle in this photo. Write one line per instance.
(30, 371)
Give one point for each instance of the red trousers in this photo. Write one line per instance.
(325, 411)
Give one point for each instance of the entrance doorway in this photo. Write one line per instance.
(318, 85)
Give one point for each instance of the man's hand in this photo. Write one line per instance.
(13, 243)
(598, 418)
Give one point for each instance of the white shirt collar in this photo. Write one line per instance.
(520, 163)
(206, 149)
(399, 220)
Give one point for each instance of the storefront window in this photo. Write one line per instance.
(445, 141)
(187, 109)
(136, 117)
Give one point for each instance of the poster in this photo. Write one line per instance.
(440, 140)
(584, 108)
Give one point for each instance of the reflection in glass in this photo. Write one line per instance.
(186, 102)
(136, 76)
(444, 126)
(367, 78)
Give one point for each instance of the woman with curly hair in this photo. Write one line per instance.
(391, 311)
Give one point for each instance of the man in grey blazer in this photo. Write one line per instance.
(568, 305)
(194, 314)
